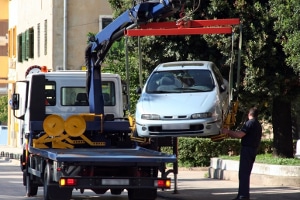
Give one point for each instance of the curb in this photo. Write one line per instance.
(262, 174)
(8, 160)
(10, 155)
(256, 179)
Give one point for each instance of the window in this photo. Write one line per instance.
(45, 37)
(104, 20)
(178, 81)
(26, 45)
(23, 38)
(12, 42)
(26, 51)
(108, 91)
(15, 41)
(218, 75)
(31, 43)
(20, 48)
(50, 93)
(38, 39)
(3, 37)
(77, 96)
(71, 96)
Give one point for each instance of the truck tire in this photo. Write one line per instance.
(31, 189)
(52, 191)
(24, 177)
(142, 194)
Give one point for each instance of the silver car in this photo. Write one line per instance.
(184, 98)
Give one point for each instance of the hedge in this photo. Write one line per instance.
(196, 152)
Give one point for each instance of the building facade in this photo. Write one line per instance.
(50, 33)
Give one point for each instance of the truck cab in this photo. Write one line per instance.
(67, 94)
(63, 93)
(64, 142)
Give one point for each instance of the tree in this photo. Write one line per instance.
(287, 26)
(116, 63)
(265, 75)
(3, 109)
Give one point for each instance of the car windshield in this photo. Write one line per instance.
(178, 81)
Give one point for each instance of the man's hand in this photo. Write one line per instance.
(226, 132)
(233, 134)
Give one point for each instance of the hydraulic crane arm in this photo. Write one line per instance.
(144, 11)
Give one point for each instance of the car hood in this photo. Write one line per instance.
(177, 103)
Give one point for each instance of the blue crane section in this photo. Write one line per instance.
(96, 51)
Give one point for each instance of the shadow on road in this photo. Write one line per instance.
(263, 193)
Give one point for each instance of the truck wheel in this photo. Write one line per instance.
(142, 194)
(52, 191)
(24, 177)
(31, 189)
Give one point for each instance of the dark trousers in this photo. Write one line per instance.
(247, 158)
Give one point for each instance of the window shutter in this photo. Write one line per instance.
(31, 43)
(23, 38)
(20, 48)
(27, 44)
(10, 47)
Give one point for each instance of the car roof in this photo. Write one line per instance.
(179, 65)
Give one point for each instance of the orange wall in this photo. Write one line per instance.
(3, 66)
(3, 59)
(4, 9)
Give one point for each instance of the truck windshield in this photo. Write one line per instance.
(175, 81)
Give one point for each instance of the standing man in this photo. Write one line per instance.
(250, 136)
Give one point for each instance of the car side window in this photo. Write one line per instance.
(218, 75)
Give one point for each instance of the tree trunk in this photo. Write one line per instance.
(282, 128)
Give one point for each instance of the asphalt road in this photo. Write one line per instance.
(192, 185)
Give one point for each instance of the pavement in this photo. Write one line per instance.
(195, 182)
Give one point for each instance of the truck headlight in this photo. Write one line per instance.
(150, 116)
(201, 115)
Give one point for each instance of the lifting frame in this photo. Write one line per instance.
(194, 27)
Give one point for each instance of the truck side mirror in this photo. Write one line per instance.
(15, 101)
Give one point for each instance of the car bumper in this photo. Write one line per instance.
(178, 128)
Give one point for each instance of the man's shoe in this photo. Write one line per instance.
(241, 198)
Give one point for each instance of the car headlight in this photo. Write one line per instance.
(201, 115)
(150, 116)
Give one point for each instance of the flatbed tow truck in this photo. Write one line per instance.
(81, 142)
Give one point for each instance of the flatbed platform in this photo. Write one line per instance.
(105, 155)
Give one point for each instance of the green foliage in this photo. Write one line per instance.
(115, 62)
(264, 73)
(197, 152)
(287, 26)
(3, 109)
(89, 35)
(268, 159)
